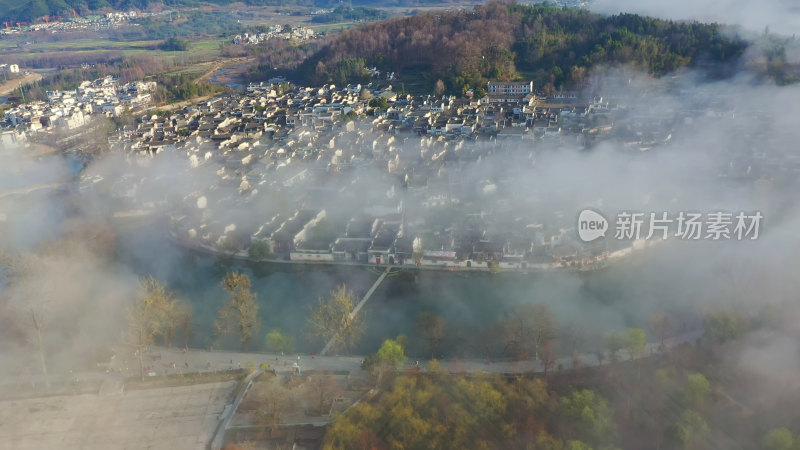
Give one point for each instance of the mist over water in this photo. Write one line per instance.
(732, 148)
(621, 296)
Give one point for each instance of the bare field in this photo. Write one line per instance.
(163, 418)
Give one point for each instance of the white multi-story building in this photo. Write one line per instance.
(510, 87)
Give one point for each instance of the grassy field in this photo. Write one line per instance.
(77, 45)
(331, 27)
(204, 49)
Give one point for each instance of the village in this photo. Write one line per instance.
(358, 174)
(53, 24)
(366, 175)
(286, 32)
(70, 110)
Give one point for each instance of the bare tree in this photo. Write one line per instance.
(432, 328)
(332, 320)
(146, 316)
(515, 331)
(185, 323)
(528, 328)
(548, 356)
(661, 327)
(614, 342)
(30, 299)
(240, 313)
(438, 88)
(320, 390)
(275, 400)
(601, 355)
(177, 315)
(544, 326)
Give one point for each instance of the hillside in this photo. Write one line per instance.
(33, 10)
(550, 45)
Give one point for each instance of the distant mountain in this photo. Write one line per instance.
(553, 46)
(33, 10)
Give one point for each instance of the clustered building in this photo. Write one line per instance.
(72, 109)
(326, 174)
(95, 23)
(10, 68)
(276, 32)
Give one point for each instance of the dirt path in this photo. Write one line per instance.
(220, 64)
(10, 85)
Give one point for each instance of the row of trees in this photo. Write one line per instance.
(437, 410)
(678, 400)
(156, 313)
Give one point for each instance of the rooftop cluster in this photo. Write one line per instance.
(363, 174)
(276, 32)
(72, 109)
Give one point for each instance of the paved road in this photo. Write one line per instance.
(175, 361)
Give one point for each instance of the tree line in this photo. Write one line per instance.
(553, 46)
(699, 396)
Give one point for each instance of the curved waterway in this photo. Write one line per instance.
(623, 295)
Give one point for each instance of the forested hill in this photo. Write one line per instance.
(552, 46)
(33, 10)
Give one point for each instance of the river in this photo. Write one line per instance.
(623, 295)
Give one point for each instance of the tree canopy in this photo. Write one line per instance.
(331, 320)
(468, 412)
(553, 46)
(240, 313)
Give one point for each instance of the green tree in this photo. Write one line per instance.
(259, 250)
(379, 103)
(635, 342)
(240, 313)
(174, 44)
(576, 445)
(780, 439)
(690, 428)
(279, 342)
(589, 415)
(391, 353)
(697, 390)
(725, 326)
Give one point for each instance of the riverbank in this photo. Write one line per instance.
(461, 266)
